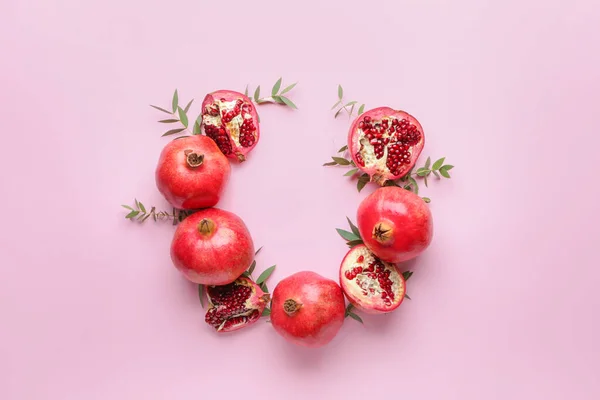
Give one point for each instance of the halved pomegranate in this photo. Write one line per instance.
(230, 119)
(236, 305)
(385, 143)
(371, 285)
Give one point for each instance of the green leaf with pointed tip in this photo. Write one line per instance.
(428, 163)
(362, 182)
(288, 102)
(201, 295)
(414, 185)
(182, 116)
(264, 288)
(336, 104)
(187, 107)
(438, 164)
(350, 103)
(349, 236)
(175, 102)
(344, 148)
(361, 109)
(168, 121)
(132, 214)
(265, 275)
(444, 173)
(340, 92)
(407, 296)
(351, 111)
(173, 131)
(161, 109)
(341, 160)
(407, 274)
(353, 243)
(354, 228)
(290, 87)
(252, 266)
(328, 164)
(127, 207)
(349, 308)
(437, 175)
(258, 251)
(246, 91)
(266, 312)
(425, 181)
(355, 317)
(141, 206)
(257, 94)
(423, 172)
(337, 114)
(351, 172)
(278, 99)
(276, 87)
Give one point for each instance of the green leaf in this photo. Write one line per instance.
(290, 87)
(264, 288)
(444, 173)
(187, 107)
(437, 175)
(175, 102)
(428, 163)
(344, 148)
(278, 99)
(426, 199)
(361, 109)
(127, 207)
(196, 130)
(362, 181)
(341, 160)
(266, 312)
(414, 185)
(351, 110)
(336, 104)
(168, 121)
(161, 109)
(258, 251)
(438, 164)
(349, 308)
(252, 266)
(425, 181)
(354, 228)
(183, 116)
(246, 274)
(349, 236)
(146, 217)
(246, 91)
(340, 92)
(355, 317)
(350, 103)
(276, 87)
(447, 167)
(288, 102)
(328, 164)
(257, 94)
(407, 274)
(132, 214)
(201, 294)
(173, 131)
(353, 243)
(337, 114)
(141, 207)
(351, 172)
(423, 172)
(407, 296)
(265, 275)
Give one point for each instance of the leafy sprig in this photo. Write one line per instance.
(351, 237)
(348, 107)
(351, 314)
(178, 115)
(261, 281)
(277, 94)
(139, 212)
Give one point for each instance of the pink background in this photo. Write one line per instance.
(505, 301)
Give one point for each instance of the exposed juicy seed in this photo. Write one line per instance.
(360, 259)
(360, 160)
(228, 302)
(376, 271)
(247, 133)
(220, 137)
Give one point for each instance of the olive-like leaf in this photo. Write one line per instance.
(351, 172)
(344, 148)
(132, 214)
(196, 130)
(349, 309)
(437, 175)
(257, 94)
(354, 228)
(349, 236)
(161, 109)
(355, 317)
(414, 185)
(362, 182)
(264, 288)
(141, 207)
(175, 102)
(276, 87)
(168, 121)
(361, 109)
(278, 99)
(265, 275)
(436, 165)
(288, 102)
(201, 295)
(182, 116)
(425, 181)
(337, 114)
(444, 173)
(266, 312)
(328, 164)
(350, 103)
(246, 91)
(252, 266)
(341, 160)
(340, 92)
(428, 163)
(290, 87)
(407, 296)
(258, 251)
(351, 111)
(423, 172)
(173, 131)
(353, 243)
(127, 207)
(187, 107)
(407, 274)
(336, 104)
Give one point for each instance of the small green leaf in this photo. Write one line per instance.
(146, 217)
(246, 274)
(353, 243)
(344, 148)
(362, 181)
(173, 131)
(438, 164)
(127, 207)
(265, 275)
(428, 163)
(246, 91)
(407, 296)
(201, 294)
(414, 185)
(196, 130)
(252, 266)
(276, 87)
(168, 121)
(447, 167)
(349, 308)
(290, 87)
(258, 251)
(444, 173)
(328, 164)
(354, 228)
(141, 207)
(175, 102)
(341, 160)
(278, 99)
(161, 109)
(132, 214)
(355, 317)
(187, 107)
(337, 114)
(437, 175)
(361, 109)
(425, 181)
(351, 110)
(264, 288)
(350, 103)
(183, 116)
(257, 94)
(423, 172)
(288, 102)
(336, 104)
(340, 92)
(349, 236)
(351, 172)
(266, 312)
(407, 274)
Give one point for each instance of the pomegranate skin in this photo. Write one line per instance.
(188, 182)
(307, 309)
(212, 247)
(395, 224)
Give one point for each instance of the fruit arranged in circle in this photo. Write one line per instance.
(212, 247)
(192, 173)
(307, 309)
(236, 305)
(370, 284)
(385, 143)
(395, 224)
(230, 119)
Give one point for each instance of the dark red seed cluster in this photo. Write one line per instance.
(377, 271)
(220, 137)
(227, 116)
(229, 303)
(247, 137)
(247, 129)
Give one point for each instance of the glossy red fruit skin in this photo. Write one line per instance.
(319, 313)
(212, 247)
(376, 114)
(186, 186)
(406, 218)
(239, 152)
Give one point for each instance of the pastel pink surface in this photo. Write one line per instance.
(504, 302)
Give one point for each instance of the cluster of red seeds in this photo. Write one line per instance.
(247, 136)
(218, 134)
(228, 300)
(227, 116)
(375, 270)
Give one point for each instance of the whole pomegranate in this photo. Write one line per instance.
(230, 119)
(385, 143)
(370, 284)
(236, 305)
(192, 172)
(395, 224)
(307, 309)
(212, 247)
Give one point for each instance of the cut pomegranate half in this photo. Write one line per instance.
(230, 119)
(385, 143)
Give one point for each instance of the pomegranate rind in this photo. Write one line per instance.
(238, 152)
(380, 176)
(370, 304)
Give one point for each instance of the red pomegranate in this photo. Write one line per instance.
(192, 172)
(395, 224)
(307, 309)
(385, 143)
(370, 284)
(230, 119)
(212, 247)
(236, 305)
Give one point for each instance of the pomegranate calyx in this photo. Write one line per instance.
(379, 179)
(382, 232)
(240, 157)
(291, 307)
(206, 227)
(193, 159)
